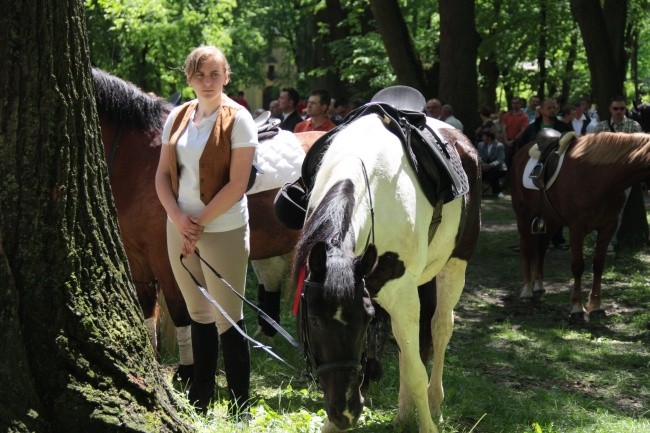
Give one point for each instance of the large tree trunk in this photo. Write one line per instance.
(458, 52)
(603, 34)
(402, 54)
(76, 357)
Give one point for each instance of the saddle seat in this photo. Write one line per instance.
(549, 147)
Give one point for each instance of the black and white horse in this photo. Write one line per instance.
(366, 236)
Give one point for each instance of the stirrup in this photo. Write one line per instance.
(538, 226)
(536, 171)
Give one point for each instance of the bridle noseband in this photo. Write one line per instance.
(348, 364)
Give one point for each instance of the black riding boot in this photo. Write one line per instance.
(237, 363)
(205, 348)
(272, 308)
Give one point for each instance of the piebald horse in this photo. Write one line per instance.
(366, 236)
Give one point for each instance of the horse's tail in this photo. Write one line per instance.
(471, 223)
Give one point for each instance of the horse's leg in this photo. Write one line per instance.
(594, 307)
(577, 237)
(541, 246)
(177, 311)
(526, 248)
(271, 274)
(404, 310)
(450, 282)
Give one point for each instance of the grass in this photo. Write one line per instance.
(510, 367)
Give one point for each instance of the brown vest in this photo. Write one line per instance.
(214, 164)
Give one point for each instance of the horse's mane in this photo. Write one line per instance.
(331, 222)
(609, 148)
(126, 104)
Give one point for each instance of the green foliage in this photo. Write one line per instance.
(146, 41)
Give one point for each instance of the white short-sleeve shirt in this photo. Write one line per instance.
(189, 148)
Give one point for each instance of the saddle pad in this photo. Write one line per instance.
(279, 161)
(532, 162)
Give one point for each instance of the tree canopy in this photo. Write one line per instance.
(523, 48)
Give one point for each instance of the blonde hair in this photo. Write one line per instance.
(199, 55)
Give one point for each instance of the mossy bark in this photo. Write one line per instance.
(76, 357)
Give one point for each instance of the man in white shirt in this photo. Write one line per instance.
(580, 121)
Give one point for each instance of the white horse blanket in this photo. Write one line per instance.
(279, 161)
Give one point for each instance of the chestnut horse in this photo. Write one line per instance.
(588, 194)
(131, 124)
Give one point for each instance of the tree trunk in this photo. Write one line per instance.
(458, 52)
(568, 69)
(488, 92)
(541, 50)
(76, 357)
(333, 15)
(399, 45)
(605, 49)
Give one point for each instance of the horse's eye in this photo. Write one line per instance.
(313, 321)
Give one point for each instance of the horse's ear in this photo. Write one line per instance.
(368, 260)
(318, 261)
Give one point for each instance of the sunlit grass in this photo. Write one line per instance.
(509, 368)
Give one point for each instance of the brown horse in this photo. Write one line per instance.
(588, 194)
(131, 125)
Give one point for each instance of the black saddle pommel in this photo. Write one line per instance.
(547, 137)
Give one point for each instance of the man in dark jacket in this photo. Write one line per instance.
(288, 101)
(547, 119)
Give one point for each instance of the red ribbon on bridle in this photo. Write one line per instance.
(301, 280)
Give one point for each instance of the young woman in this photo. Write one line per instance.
(205, 162)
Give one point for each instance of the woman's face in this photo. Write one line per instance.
(209, 79)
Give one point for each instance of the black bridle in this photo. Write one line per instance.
(357, 365)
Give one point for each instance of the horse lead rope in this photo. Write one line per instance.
(266, 317)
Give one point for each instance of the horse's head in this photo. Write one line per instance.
(335, 311)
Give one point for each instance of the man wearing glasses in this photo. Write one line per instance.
(618, 122)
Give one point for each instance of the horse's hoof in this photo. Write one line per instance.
(525, 299)
(597, 314)
(537, 294)
(577, 318)
(184, 374)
